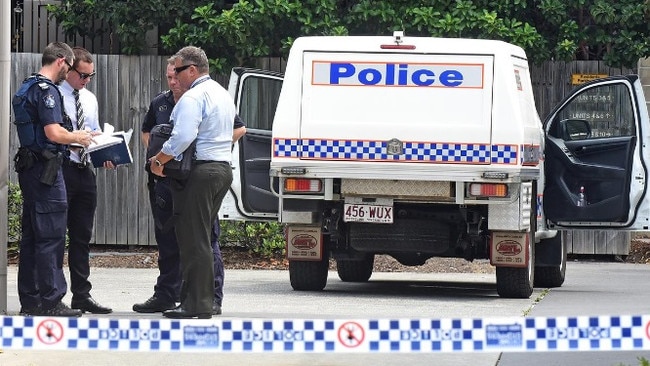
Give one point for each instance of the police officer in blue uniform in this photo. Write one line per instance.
(168, 284)
(43, 135)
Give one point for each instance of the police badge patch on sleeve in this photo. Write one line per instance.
(49, 101)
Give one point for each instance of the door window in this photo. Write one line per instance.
(258, 101)
(602, 111)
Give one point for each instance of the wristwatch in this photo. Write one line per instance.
(157, 162)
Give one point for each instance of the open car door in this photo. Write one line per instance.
(596, 158)
(256, 94)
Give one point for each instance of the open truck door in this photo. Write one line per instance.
(596, 157)
(256, 94)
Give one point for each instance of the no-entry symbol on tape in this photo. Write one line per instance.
(49, 331)
(351, 334)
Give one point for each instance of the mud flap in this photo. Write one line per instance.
(304, 243)
(509, 249)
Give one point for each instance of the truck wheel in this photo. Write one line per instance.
(550, 276)
(308, 275)
(517, 283)
(355, 270)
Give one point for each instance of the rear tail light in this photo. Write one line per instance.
(488, 190)
(302, 185)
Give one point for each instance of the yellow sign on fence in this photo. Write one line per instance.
(577, 79)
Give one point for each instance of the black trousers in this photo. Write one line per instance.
(81, 188)
(168, 283)
(196, 207)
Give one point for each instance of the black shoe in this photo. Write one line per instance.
(216, 308)
(90, 305)
(61, 309)
(25, 311)
(180, 313)
(154, 304)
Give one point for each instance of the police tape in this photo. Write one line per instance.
(517, 334)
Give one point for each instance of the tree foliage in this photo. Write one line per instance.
(617, 32)
(126, 21)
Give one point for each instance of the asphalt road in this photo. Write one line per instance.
(590, 289)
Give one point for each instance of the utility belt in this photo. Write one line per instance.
(201, 162)
(74, 164)
(26, 158)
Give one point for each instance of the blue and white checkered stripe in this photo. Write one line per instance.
(287, 148)
(504, 154)
(587, 333)
(412, 152)
(518, 334)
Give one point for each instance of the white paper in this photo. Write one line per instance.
(127, 135)
(109, 138)
(101, 141)
(108, 128)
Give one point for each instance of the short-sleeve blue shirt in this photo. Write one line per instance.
(159, 111)
(45, 106)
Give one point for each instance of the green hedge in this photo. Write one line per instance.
(14, 212)
(266, 238)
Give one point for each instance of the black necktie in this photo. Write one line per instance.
(80, 124)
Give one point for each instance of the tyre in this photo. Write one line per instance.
(517, 283)
(308, 275)
(550, 276)
(355, 270)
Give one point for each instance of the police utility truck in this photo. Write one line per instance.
(428, 147)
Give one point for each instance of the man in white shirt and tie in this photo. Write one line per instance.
(82, 108)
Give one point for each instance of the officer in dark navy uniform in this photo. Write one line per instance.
(168, 284)
(38, 110)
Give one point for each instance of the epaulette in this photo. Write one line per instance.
(44, 86)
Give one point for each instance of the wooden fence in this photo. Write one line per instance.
(125, 85)
(552, 80)
(601, 242)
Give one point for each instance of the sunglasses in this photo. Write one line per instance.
(83, 75)
(180, 69)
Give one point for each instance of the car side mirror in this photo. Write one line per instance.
(574, 129)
